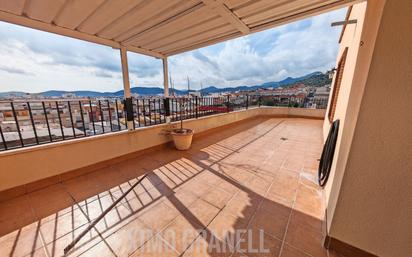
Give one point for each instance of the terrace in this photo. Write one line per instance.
(257, 174)
(248, 186)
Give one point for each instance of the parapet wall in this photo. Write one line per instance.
(26, 165)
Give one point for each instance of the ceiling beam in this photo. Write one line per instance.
(220, 8)
(48, 27)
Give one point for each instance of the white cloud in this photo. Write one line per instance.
(290, 50)
(35, 61)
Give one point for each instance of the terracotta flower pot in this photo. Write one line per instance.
(182, 138)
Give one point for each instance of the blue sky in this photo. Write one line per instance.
(35, 61)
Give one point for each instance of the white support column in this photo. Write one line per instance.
(126, 82)
(166, 84)
(165, 77)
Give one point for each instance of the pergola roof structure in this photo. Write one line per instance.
(159, 28)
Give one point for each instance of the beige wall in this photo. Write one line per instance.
(351, 39)
(373, 209)
(22, 166)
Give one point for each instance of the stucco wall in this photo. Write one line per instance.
(374, 207)
(22, 166)
(351, 39)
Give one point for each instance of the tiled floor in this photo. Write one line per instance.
(248, 190)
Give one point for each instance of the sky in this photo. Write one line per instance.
(36, 61)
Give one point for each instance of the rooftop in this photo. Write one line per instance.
(256, 174)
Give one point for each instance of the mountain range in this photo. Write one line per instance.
(316, 79)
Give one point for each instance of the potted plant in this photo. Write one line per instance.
(182, 137)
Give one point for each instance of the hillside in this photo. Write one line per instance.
(315, 79)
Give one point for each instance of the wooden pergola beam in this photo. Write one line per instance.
(268, 25)
(48, 27)
(220, 8)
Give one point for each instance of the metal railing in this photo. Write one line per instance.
(31, 123)
(294, 102)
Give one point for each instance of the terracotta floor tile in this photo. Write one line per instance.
(146, 162)
(259, 185)
(15, 213)
(285, 185)
(309, 179)
(229, 180)
(180, 170)
(289, 251)
(84, 187)
(280, 207)
(256, 243)
(294, 162)
(302, 219)
(202, 212)
(229, 186)
(305, 239)
(143, 201)
(163, 157)
(205, 246)
(217, 197)
(311, 163)
(160, 190)
(94, 206)
(56, 248)
(227, 228)
(159, 216)
(181, 233)
(145, 185)
(237, 173)
(114, 220)
(170, 175)
(243, 205)
(127, 169)
(49, 200)
(62, 223)
(196, 186)
(129, 238)
(310, 201)
(108, 177)
(22, 242)
(273, 224)
(183, 197)
(189, 165)
(155, 247)
(101, 249)
(211, 178)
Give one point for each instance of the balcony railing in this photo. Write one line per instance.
(31, 123)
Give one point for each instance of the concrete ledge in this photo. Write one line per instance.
(345, 249)
(27, 169)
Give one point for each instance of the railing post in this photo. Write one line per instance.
(166, 105)
(247, 102)
(260, 101)
(3, 139)
(197, 107)
(32, 123)
(228, 103)
(128, 108)
(17, 124)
